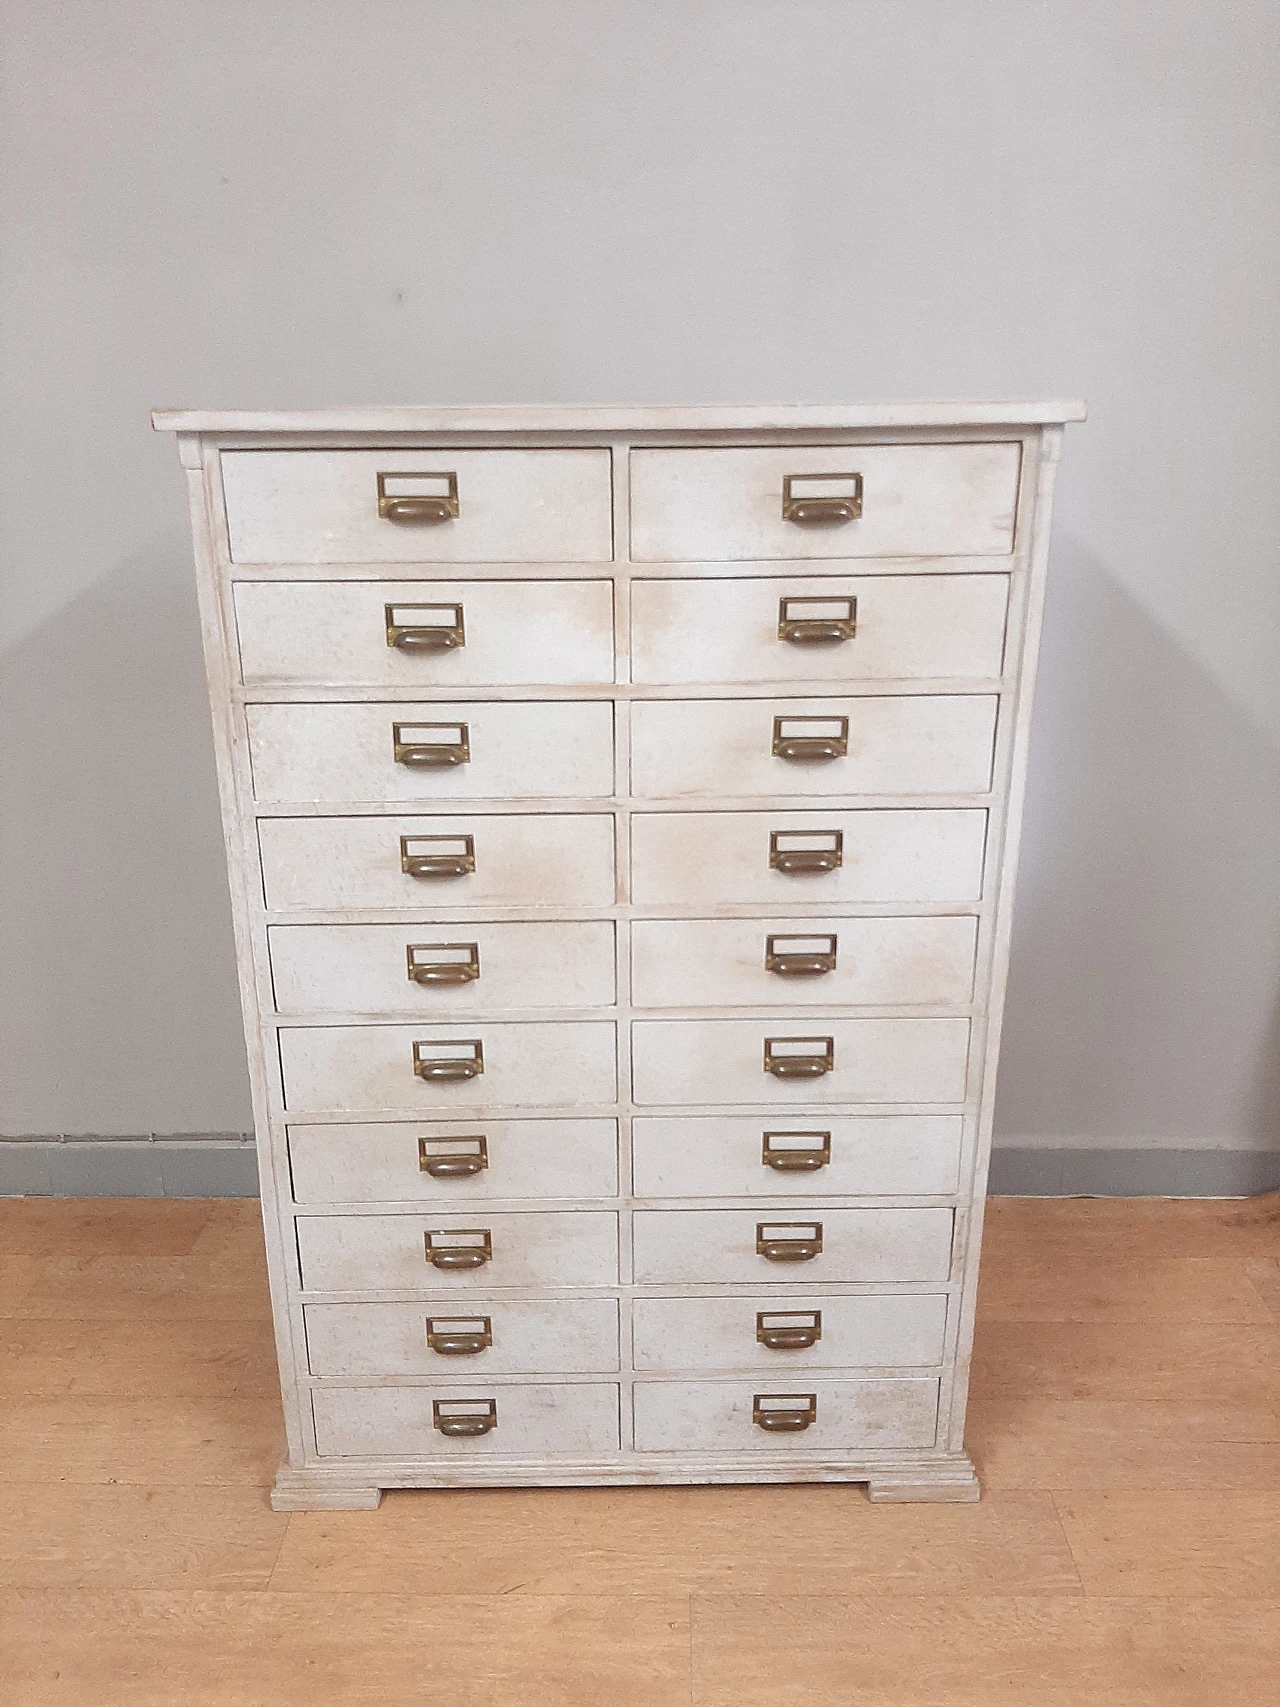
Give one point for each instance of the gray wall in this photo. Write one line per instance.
(331, 202)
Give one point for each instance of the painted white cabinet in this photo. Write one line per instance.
(622, 812)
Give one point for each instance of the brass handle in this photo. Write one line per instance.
(785, 1159)
(801, 860)
(787, 1062)
(453, 1164)
(460, 863)
(443, 971)
(829, 621)
(430, 755)
(459, 1336)
(788, 1241)
(454, 1254)
(779, 1332)
(814, 748)
(418, 508)
(799, 962)
(821, 508)
(448, 1068)
(784, 1413)
(450, 1418)
(408, 636)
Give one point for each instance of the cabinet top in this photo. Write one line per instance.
(600, 418)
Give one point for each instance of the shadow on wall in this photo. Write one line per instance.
(120, 1010)
(1142, 999)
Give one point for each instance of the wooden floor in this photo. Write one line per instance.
(1126, 1552)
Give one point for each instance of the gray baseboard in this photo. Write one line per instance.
(226, 1165)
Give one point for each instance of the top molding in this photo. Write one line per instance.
(590, 417)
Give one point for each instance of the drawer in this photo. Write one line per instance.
(512, 506)
(349, 752)
(863, 857)
(720, 506)
(723, 1246)
(486, 1337)
(867, 628)
(829, 1155)
(574, 1420)
(839, 1416)
(477, 860)
(904, 744)
(781, 1335)
(435, 968)
(865, 1060)
(425, 634)
(328, 1069)
(451, 1162)
(771, 962)
(388, 1253)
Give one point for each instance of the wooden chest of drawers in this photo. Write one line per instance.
(621, 808)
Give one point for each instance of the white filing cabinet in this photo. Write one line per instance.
(621, 808)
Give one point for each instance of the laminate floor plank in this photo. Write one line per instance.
(1176, 1543)
(214, 1649)
(163, 1441)
(1061, 1444)
(1264, 1277)
(677, 1541)
(975, 1652)
(1070, 1286)
(1176, 1362)
(73, 1286)
(131, 1359)
(83, 1534)
(117, 1226)
(1148, 1229)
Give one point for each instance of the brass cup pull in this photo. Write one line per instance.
(458, 1247)
(817, 622)
(796, 1058)
(789, 853)
(419, 753)
(407, 635)
(455, 1163)
(788, 1332)
(456, 856)
(784, 1413)
(805, 1157)
(821, 500)
(455, 971)
(810, 740)
(417, 508)
(459, 1336)
(808, 957)
(460, 1418)
(789, 1241)
(448, 1069)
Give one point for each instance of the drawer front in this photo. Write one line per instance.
(328, 1069)
(348, 752)
(389, 1253)
(907, 744)
(721, 1246)
(447, 1339)
(434, 968)
(451, 1162)
(797, 962)
(776, 858)
(425, 634)
(718, 1416)
(476, 860)
(871, 1060)
(780, 1335)
(867, 628)
(574, 1420)
(827, 1155)
(513, 506)
(716, 506)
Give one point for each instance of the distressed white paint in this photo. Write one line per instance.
(673, 1107)
(577, 1336)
